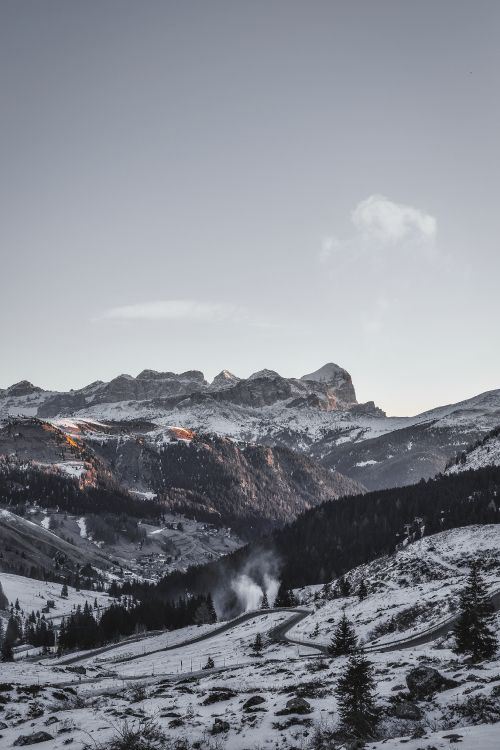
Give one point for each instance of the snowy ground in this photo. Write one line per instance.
(415, 589)
(485, 454)
(168, 685)
(33, 595)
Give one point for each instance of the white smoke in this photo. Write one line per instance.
(248, 593)
(260, 574)
(271, 586)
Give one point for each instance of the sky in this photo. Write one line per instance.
(241, 185)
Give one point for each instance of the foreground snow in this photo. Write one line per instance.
(140, 678)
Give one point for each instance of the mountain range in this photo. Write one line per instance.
(316, 414)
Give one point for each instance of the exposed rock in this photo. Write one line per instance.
(32, 739)
(423, 682)
(23, 388)
(224, 379)
(337, 379)
(220, 726)
(406, 710)
(217, 696)
(255, 700)
(297, 706)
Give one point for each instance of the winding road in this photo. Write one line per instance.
(277, 634)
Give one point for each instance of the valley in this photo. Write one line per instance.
(176, 558)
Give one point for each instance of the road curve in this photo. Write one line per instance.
(197, 639)
(279, 634)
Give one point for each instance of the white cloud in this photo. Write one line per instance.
(185, 310)
(378, 218)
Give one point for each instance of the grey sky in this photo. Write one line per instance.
(252, 184)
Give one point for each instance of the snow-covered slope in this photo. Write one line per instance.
(245, 701)
(484, 453)
(409, 591)
(33, 594)
(316, 413)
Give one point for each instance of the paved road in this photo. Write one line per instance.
(197, 639)
(279, 634)
(426, 636)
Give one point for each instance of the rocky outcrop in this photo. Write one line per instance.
(224, 379)
(337, 382)
(32, 739)
(406, 710)
(423, 682)
(330, 388)
(23, 388)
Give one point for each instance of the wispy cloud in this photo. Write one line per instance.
(185, 310)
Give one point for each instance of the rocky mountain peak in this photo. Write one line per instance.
(23, 388)
(336, 379)
(268, 374)
(327, 374)
(224, 379)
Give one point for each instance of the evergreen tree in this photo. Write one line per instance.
(264, 604)
(344, 587)
(362, 591)
(211, 609)
(355, 699)
(12, 634)
(210, 663)
(64, 591)
(4, 602)
(474, 633)
(257, 645)
(344, 639)
(285, 597)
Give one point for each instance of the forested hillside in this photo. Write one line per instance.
(325, 542)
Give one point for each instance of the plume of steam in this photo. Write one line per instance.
(259, 574)
(248, 593)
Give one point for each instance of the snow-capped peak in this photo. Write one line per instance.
(327, 374)
(271, 374)
(224, 379)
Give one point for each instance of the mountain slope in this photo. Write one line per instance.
(485, 452)
(90, 467)
(317, 414)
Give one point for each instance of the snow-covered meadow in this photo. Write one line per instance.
(241, 704)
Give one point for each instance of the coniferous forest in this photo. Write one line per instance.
(325, 542)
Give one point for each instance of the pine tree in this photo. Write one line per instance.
(211, 609)
(210, 663)
(285, 597)
(355, 699)
(257, 645)
(344, 587)
(203, 615)
(11, 636)
(64, 591)
(264, 604)
(474, 633)
(282, 597)
(4, 602)
(344, 639)
(362, 591)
